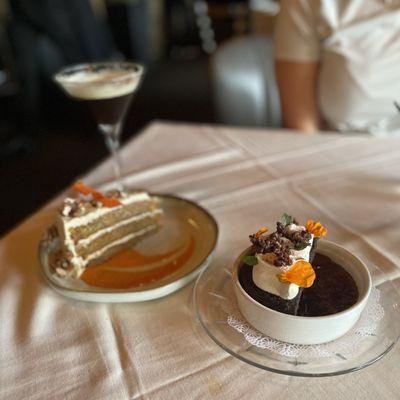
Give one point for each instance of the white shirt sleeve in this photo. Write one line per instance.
(295, 37)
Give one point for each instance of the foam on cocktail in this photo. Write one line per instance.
(100, 84)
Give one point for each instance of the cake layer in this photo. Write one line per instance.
(107, 220)
(109, 235)
(126, 242)
(112, 247)
(75, 269)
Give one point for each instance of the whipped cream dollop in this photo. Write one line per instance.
(265, 273)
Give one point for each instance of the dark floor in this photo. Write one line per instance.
(35, 169)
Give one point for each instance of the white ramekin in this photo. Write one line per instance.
(307, 330)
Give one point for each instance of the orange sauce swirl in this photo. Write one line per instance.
(130, 269)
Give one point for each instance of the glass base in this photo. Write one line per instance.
(215, 301)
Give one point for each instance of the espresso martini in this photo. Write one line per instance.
(107, 88)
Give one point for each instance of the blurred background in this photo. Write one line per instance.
(187, 46)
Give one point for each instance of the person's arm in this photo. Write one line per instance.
(297, 83)
(297, 48)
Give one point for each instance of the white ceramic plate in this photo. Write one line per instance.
(183, 220)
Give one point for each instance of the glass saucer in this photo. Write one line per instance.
(214, 301)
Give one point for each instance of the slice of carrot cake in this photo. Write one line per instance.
(95, 226)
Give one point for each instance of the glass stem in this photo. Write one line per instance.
(111, 134)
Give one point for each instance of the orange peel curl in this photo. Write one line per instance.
(86, 190)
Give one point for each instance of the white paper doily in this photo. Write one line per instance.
(345, 345)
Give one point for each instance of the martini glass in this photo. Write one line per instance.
(107, 88)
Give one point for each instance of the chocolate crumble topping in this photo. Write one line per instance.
(273, 243)
(279, 242)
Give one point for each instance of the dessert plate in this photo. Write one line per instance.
(187, 239)
(214, 302)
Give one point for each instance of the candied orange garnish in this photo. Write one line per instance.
(82, 188)
(109, 202)
(301, 273)
(261, 231)
(85, 190)
(316, 228)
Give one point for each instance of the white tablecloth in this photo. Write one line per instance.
(55, 348)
